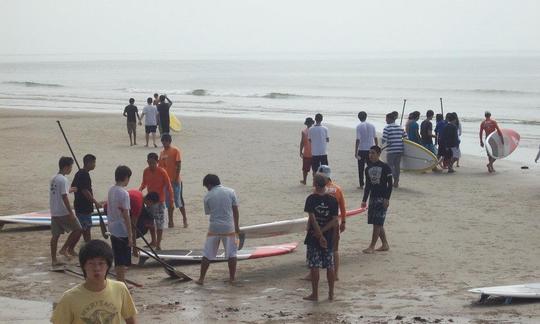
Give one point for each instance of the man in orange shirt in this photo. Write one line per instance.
(170, 159)
(305, 149)
(155, 179)
(489, 126)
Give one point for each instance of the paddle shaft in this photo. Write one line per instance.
(442, 111)
(402, 112)
(102, 225)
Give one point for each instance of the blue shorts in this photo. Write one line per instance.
(178, 198)
(121, 251)
(85, 220)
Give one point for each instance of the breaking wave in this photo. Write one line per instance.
(33, 84)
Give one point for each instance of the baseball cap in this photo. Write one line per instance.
(309, 121)
(325, 170)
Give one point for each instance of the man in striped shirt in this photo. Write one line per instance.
(393, 138)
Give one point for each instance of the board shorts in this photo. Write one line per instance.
(212, 245)
(376, 211)
(177, 193)
(318, 160)
(131, 127)
(64, 224)
(159, 216)
(317, 257)
(150, 129)
(121, 251)
(85, 220)
(306, 164)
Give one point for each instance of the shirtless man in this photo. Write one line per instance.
(489, 126)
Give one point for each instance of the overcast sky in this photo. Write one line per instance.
(254, 28)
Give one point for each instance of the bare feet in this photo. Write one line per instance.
(56, 264)
(383, 248)
(199, 282)
(330, 297)
(73, 253)
(368, 251)
(171, 224)
(396, 184)
(311, 297)
(185, 222)
(155, 145)
(302, 182)
(65, 253)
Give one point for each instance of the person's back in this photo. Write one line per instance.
(393, 135)
(365, 134)
(317, 135)
(489, 126)
(425, 129)
(413, 132)
(150, 113)
(218, 204)
(118, 198)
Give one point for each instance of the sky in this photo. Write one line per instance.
(162, 29)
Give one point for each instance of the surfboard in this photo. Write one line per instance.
(247, 253)
(39, 218)
(284, 227)
(174, 123)
(498, 150)
(415, 157)
(529, 290)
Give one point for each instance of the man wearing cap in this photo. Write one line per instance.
(318, 137)
(366, 137)
(305, 149)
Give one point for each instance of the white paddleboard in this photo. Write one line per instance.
(39, 218)
(497, 149)
(529, 290)
(415, 157)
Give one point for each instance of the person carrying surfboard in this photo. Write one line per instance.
(489, 126)
(305, 149)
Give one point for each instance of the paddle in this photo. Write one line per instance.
(81, 275)
(102, 225)
(402, 112)
(442, 112)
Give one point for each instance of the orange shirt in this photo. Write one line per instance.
(156, 181)
(489, 126)
(334, 190)
(307, 144)
(168, 159)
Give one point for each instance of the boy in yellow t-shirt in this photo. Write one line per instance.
(98, 299)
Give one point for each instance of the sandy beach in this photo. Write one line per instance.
(447, 232)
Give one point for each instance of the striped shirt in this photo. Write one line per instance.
(393, 135)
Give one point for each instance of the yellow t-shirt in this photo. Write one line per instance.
(80, 305)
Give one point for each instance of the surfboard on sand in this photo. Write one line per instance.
(245, 254)
(528, 290)
(496, 149)
(39, 218)
(174, 123)
(415, 157)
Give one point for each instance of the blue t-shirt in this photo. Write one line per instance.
(413, 132)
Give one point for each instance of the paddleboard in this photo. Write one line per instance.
(174, 123)
(415, 157)
(245, 254)
(498, 150)
(39, 218)
(284, 227)
(529, 290)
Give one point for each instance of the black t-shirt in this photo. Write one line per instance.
(425, 129)
(324, 208)
(163, 110)
(82, 181)
(378, 181)
(449, 136)
(131, 111)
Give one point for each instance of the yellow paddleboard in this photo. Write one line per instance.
(175, 123)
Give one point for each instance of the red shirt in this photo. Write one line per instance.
(136, 202)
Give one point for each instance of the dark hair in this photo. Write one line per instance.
(162, 98)
(319, 180)
(64, 162)
(131, 100)
(391, 116)
(449, 117)
(439, 117)
(429, 113)
(152, 196)
(166, 138)
(156, 94)
(149, 100)
(456, 118)
(95, 249)
(88, 158)
(309, 121)
(121, 173)
(396, 114)
(416, 114)
(362, 115)
(487, 114)
(152, 156)
(318, 118)
(376, 148)
(211, 180)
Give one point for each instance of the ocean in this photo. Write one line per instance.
(509, 87)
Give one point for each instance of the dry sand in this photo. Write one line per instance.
(447, 233)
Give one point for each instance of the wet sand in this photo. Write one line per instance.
(447, 233)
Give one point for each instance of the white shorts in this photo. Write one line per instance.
(212, 245)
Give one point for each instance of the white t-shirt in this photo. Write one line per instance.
(58, 187)
(118, 198)
(218, 204)
(150, 115)
(318, 135)
(365, 133)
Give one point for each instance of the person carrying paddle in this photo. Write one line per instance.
(97, 299)
(489, 126)
(163, 109)
(170, 159)
(305, 149)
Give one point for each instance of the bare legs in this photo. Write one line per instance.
(378, 232)
(490, 164)
(171, 216)
(315, 284)
(205, 264)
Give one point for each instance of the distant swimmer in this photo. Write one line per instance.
(489, 126)
(318, 137)
(393, 138)
(132, 114)
(305, 149)
(378, 190)
(366, 137)
(163, 110)
(150, 115)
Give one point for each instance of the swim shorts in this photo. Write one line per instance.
(376, 211)
(317, 257)
(178, 197)
(131, 127)
(150, 129)
(64, 224)
(212, 245)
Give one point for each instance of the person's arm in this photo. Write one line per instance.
(389, 186)
(68, 206)
(169, 187)
(88, 195)
(236, 218)
(356, 149)
(330, 225)
(169, 100)
(302, 144)
(384, 136)
(139, 117)
(317, 233)
(178, 168)
(481, 134)
(367, 190)
(499, 132)
(131, 320)
(125, 112)
(143, 183)
(127, 221)
(342, 212)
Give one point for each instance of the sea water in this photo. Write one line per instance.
(507, 86)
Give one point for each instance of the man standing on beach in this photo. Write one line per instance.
(132, 114)
(62, 217)
(378, 189)
(84, 196)
(222, 205)
(150, 122)
(489, 126)
(366, 137)
(393, 136)
(426, 132)
(305, 149)
(318, 137)
(163, 109)
(170, 159)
